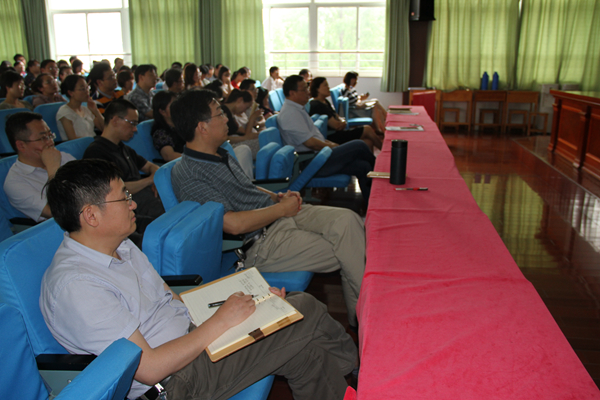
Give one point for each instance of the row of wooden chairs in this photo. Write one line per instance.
(503, 117)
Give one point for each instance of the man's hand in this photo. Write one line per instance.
(255, 116)
(236, 309)
(331, 144)
(51, 158)
(289, 194)
(280, 293)
(289, 205)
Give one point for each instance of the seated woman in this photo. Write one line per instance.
(319, 90)
(262, 98)
(191, 77)
(12, 87)
(166, 140)
(360, 107)
(236, 104)
(125, 80)
(239, 76)
(77, 66)
(45, 89)
(225, 77)
(204, 74)
(73, 119)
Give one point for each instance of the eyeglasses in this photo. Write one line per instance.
(128, 198)
(48, 136)
(219, 115)
(132, 123)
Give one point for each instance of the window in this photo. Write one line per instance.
(89, 29)
(330, 37)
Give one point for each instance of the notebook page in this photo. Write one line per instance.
(249, 282)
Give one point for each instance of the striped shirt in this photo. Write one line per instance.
(103, 101)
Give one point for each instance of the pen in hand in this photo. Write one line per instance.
(220, 303)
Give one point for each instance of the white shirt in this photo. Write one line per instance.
(272, 84)
(83, 126)
(24, 187)
(296, 126)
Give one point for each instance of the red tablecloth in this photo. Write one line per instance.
(444, 311)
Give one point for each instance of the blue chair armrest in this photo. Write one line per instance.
(109, 376)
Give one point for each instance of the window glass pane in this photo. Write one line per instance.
(288, 28)
(103, 40)
(84, 4)
(371, 62)
(286, 1)
(289, 63)
(337, 28)
(65, 25)
(371, 28)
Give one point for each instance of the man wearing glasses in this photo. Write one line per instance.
(120, 124)
(37, 162)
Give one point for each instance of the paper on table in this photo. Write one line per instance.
(405, 128)
(269, 308)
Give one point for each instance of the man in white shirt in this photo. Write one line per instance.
(298, 129)
(274, 81)
(37, 163)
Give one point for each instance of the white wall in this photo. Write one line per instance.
(373, 86)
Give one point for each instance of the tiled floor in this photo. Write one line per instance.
(547, 214)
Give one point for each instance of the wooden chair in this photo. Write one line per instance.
(489, 96)
(529, 115)
(465, 96)
(427, 98)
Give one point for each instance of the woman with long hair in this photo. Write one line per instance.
(75, 120)
(191, 77)
(225, 77)
(360, 107)
(319, 90)
(164, 136)
(45, 89)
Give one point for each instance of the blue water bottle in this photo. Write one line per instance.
(485, 80)
(495, 80)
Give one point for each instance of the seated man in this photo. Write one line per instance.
(36, 163)
(274, 81)
(49, 67)
(100, 288)
(141, 95)
(103, 81)
(298, 130)
(286, 235)
(120, 124)
(174, 81)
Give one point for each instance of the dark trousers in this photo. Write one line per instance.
(148, 208)
(351, 158)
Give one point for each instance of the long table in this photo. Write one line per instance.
(444, 311)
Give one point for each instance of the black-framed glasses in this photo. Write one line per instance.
(48, 136)
(128, 198)
(132, 123)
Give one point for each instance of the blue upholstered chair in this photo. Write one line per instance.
(335, 93)
(5, 146)
(159, 85)
(345, 112)
(75, 147)
(142, 142)
(29, 98)
(49, 112)
(263, 159)
(5, 225)
(109, 376)
(275, 101)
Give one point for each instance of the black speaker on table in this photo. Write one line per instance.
(421, 10)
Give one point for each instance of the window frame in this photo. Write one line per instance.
(125, 31)
(313, 28)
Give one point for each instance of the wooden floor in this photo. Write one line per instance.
(547, 214)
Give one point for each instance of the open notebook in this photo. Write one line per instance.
(272, 312)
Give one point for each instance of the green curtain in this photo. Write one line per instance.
(210, 31)
(12, 39)
(396, 61)
(559, 43)
(470, 37)
(243, 43)
(164, 31)
(36, 29)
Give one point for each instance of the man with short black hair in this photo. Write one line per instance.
(174, 80)
(49, 67)
(120, 124)
(103, 81)
(63, 72)
(118, 64)
(286, 235)
(298, 129)
(274, 81)
(37, 162)
(33, 70)
(100, 288)
(141, 95)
